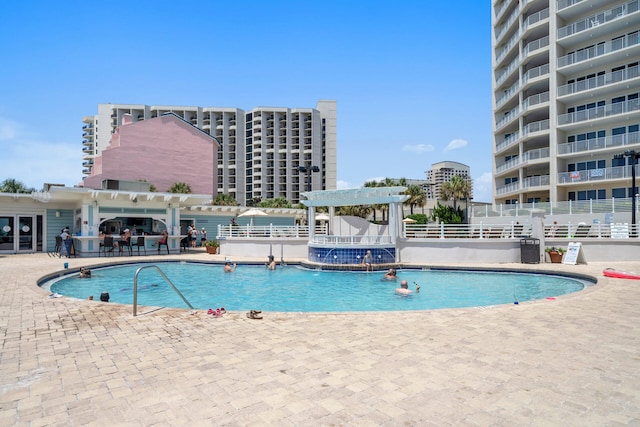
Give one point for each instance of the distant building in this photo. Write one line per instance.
(442, 172)
(161, 151)
(261, 150)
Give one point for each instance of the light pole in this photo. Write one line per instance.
(633, 156)
(467, 208)
(308, 170)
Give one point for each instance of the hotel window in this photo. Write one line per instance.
(587, 195)
(619, 193)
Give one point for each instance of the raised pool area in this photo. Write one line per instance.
(297, 289)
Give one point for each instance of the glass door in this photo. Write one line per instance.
(26, 233)
(6, 234)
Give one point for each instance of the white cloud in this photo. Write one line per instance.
(456, 144)
(482, 187)
(419, 148)
(34, 160)
(9, 129)
(343, 185)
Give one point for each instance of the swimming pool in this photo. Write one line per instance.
(295, 289)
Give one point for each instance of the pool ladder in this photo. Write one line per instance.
(166, 279)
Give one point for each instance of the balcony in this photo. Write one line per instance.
(534, 18)
(593, 83)
(542, 70)
(596, 113)
(508, 94)
(509, 188)
(563, 4)
(527, 157)
(593, 175)
(596, 51)
(502, 30)
(533, 100)
(508, 47)
(535, 45)
(533, 127)
(508, 141)
(593, 144)
(598, 19)
(536, 181)
(508, 117)
(507, 72)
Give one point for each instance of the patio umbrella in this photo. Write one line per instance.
(253, 212)
(409, 221)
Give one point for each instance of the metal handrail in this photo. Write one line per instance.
(164, 276)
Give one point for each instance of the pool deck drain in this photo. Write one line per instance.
(569, 361)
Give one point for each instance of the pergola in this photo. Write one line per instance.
(354, 197)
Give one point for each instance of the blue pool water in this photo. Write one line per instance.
(294, 289)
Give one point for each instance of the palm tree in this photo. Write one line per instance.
(359, 210)
(457, 188)
(416, 197)
(224, 200)
(372, 184)
(279, 202)
(11, 185)
(180, 187)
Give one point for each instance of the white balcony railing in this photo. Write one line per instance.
(600, 174)
(598, 50)
(563, 4)
(599, 81)
(599, 143)
(535, 100)
(599, 112)
(598, 19)
(508, 141)
(536, 127)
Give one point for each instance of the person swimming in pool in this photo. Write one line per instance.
(390, 275)
(404, 288)
(271, 264)
(228, 268)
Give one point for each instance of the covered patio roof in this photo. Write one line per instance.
(355, 196)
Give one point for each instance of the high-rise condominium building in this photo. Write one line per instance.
(565, 99)
(265, 153)
(442, 172)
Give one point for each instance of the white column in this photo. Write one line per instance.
(393, 221)
(311, 222)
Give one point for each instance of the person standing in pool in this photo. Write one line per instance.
(228, 268)
(271, 264)
(390, 275)
(404, 288)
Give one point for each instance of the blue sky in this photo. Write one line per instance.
(412, 79)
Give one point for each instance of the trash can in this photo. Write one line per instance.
(530, 251)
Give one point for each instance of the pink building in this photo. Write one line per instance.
(163, 150)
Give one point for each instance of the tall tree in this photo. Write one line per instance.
(457, 188)
(11, 185)
(416, 197)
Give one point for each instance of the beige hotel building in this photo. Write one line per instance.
(261, 150)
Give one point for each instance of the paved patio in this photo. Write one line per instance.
(574, 361)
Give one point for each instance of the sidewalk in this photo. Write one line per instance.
(571, 362)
